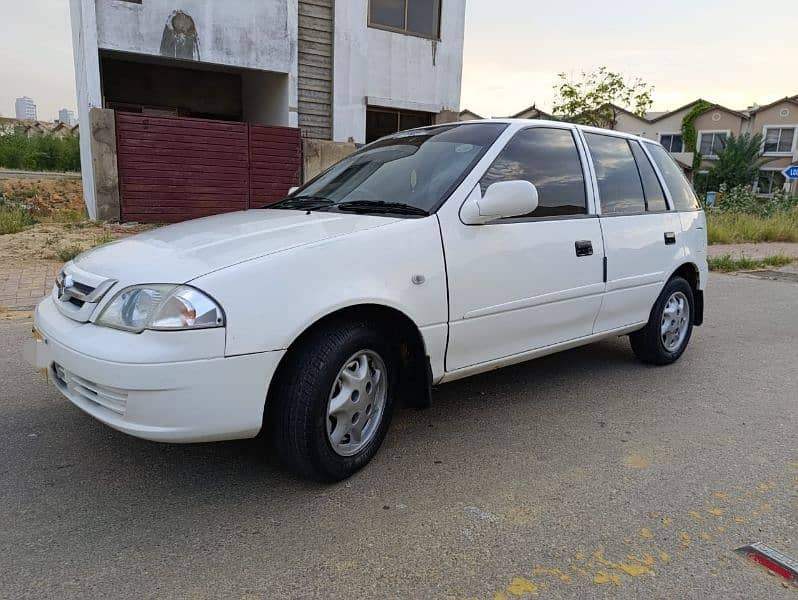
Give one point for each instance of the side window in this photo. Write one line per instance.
(655, 197)
(548, 158)
(684, 197)
(620, 188)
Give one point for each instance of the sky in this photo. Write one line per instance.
(727, 51)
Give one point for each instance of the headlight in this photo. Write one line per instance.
(163, 307)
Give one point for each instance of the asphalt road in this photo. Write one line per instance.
(582, 475)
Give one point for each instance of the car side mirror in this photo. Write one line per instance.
(291, 190)
(502, 200)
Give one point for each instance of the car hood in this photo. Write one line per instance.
(182, 252)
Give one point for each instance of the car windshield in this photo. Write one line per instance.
(409, 173)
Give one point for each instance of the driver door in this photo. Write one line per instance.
(532, 281)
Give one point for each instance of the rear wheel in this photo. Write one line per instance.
(333, 400)
(664, 339)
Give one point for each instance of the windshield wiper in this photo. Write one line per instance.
(303, 202)
(382, 207)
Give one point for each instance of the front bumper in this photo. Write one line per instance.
(199, 400)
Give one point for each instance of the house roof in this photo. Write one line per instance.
(470, 112)
(531, 109)
(668, 113)
(789, 99)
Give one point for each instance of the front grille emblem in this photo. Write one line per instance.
(63, 282)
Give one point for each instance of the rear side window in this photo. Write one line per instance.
(548, 158)
(620, 189)
(655, 197)
(684, 197)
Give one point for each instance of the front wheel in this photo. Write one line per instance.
(666, 335)
(334, 400)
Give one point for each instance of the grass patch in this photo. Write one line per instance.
(67, 253)
(736, 228)
(14, 219)
(105, 238)
(728, 264)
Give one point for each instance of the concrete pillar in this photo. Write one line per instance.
(317, 155)
(87, 84)
(105, 172)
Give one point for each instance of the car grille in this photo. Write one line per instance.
(77, 292)
(111, 398)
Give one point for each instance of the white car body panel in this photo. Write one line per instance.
(639, 263)
(185, 251)
(481, 296)
(269, 303)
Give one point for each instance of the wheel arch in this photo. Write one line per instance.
(416, 375)
(690, 272)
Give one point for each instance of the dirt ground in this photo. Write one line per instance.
(760, 250)
(46, 197)
(63, 226)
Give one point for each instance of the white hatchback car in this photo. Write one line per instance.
(425, 257)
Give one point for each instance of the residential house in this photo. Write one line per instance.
(335, 72)
(468, 115)
(777, 122)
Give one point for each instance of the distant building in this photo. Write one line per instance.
(67, 117)
(25, 108)
(777, 122)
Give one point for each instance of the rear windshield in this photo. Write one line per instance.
(684, 197)
(420, 168)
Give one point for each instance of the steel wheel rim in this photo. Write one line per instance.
(357, 402)
(675, 321)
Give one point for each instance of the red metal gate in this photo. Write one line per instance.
(173, 168)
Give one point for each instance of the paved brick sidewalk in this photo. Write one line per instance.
(21, 287)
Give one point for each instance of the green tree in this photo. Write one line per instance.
(738, 162)
(595, 97)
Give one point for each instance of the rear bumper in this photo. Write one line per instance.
(192, 401)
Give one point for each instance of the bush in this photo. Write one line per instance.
(741, 199)
(40, 153)
(67, 253)
(14, 219)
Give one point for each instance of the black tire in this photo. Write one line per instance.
(647, 343)
(301, 393)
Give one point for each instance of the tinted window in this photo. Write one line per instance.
(683, 196)
(655, 197)
(419, 168)
(672, 142)
(390, 13)
(421, 17)
(620, 189)
(549, 159)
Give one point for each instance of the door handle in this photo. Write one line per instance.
(584, 248)
(670, 238)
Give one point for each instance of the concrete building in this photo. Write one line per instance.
(25, 108)
(777, 122)
(339, 71)
(67, 117)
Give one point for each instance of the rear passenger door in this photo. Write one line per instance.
(640, 231)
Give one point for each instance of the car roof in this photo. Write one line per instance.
(585, 128)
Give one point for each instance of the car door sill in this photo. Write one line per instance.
(536, 353)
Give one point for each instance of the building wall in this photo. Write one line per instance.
(634, 125)
(245, 33)
(383, 68)
(773, 116)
